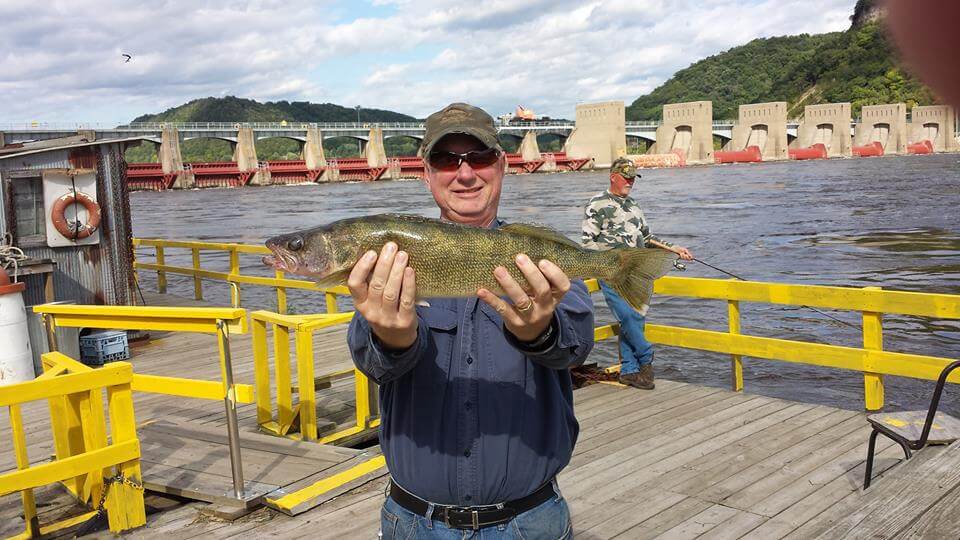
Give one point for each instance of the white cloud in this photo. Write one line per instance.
(62, 62)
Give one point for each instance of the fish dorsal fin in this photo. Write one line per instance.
(538, 231)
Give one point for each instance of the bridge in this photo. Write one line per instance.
(17, 133)
(686, 134)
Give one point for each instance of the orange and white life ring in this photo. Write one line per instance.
(75, 230)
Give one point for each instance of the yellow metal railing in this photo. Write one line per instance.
(871, 302)
(218, 321)
(233, 276)
(302, 328)
(92, 467)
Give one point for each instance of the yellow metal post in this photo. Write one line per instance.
(736, 361)
(308, 394)
(124, 504)
(23, 462)
(361, 386)
(331, 302)
(281, 295)
(234, 271)
(261, 370)
(872, 341)
(197, 284)
(281, 360)
(161, 275)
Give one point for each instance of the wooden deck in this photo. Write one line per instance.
(681, 461)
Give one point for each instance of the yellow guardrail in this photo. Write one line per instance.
(218, 321)
(871, 302)
(233, 276)
(302, 328)
(92, 467)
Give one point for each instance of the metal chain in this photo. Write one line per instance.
(119, 478)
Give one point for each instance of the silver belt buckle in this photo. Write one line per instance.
(475, 517)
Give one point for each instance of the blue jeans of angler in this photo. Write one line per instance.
(549, 521)
(635, 350)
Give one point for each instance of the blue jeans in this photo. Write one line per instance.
(635, 350)
(549, 521)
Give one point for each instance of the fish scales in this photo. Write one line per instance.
(453, 260)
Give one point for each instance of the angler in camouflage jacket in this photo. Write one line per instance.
(614, 220)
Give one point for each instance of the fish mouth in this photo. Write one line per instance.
(281, 261)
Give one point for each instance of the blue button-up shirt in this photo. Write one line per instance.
(468, 417)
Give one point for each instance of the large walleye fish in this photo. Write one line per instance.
(452, 260)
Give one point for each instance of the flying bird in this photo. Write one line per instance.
(127, 56)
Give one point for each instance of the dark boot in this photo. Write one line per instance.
(642, 379)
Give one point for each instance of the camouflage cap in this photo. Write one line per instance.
(625, 167)
(459, 118)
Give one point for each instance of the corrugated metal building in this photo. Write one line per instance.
(93, 270)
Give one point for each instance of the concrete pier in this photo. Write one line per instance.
(687, 127)
(934, 123)
(827, 124)
(885, 124)
(245, 154)
(763, 125)
(171, 161)
(600, 133)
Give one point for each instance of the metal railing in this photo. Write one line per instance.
(302, 327)
(94, 468)
(218, 321)
(871, 302)
(233, 276)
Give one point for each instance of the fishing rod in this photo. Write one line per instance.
(680, 266)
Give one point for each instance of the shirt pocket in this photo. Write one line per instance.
(434, 367)
(501, 363)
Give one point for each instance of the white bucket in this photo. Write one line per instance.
(16, 360)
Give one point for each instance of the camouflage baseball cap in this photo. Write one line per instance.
(459, 118)
(624, 167)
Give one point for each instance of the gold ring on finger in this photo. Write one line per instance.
(524, 308)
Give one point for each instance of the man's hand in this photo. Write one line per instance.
(683, 252)
(386, 297)
(527, 316)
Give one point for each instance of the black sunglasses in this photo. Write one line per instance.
(450, 161)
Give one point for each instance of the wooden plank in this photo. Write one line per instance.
(942, 520)
(620, 513)
(637, 426)
(694, 526)
(197, 485)
(894, 502)
(664, 521)
(614, 467)
(732, 459)
(647, 472)
(831, 495)
(253, 441)
(835, 439)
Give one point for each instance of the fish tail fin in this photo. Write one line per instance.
(637, 269)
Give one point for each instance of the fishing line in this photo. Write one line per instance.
(680, 266)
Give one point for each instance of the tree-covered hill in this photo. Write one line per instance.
(858, 65)
(234, 109)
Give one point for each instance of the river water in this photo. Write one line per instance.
(890, 222)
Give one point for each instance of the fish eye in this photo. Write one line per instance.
(295, 243)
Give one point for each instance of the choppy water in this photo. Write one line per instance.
(890, 222)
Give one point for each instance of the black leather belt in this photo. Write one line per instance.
(472, 517)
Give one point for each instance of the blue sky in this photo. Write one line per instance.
(62, 62)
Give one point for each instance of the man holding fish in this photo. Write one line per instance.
(470, 326)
